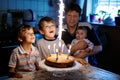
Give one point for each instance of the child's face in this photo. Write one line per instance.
(48, 30)
(80, 34)
(29, 36)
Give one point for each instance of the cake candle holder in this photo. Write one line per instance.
(69, 52)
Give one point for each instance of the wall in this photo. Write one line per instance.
(40, 7)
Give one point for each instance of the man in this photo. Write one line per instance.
(72, 14)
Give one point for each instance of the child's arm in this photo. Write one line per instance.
(38, 59)
(87, 50)
(38, 66)
(82, 61)
(90, 47)
(79, 46)
(12, 73)
(12, 65)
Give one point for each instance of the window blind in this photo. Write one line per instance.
(108, 3)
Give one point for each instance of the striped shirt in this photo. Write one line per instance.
(22, 61)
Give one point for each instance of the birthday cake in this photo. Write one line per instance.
(59, 60)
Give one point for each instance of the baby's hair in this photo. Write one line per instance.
(82, 28)
(45, 19)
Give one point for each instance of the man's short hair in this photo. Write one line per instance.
(73, 7)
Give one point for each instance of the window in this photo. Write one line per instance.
(107, 8)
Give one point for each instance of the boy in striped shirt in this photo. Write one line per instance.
(25, 57)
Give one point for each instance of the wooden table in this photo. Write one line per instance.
(84, 73)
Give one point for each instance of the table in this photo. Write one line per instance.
(84, 73)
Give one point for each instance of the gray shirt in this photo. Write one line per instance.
(44, 50)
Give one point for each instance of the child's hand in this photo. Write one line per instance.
(88, 50)
(82, 45)
(42, 70)
(18, 75)
(68, 45)
(82, 61)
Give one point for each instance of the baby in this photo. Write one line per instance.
(81, 34)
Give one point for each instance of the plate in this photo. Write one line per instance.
(76, 66)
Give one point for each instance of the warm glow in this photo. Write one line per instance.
(59, 43)
(56, 50)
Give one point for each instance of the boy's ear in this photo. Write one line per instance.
(41, 31)
(19, 39)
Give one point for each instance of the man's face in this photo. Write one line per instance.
(72, 18)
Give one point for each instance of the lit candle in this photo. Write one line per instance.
(62, 47)
(56, 54)
(69, 51)
(54, 47)
(59, 47)
(49, 49)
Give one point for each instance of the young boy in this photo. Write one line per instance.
(49, 43)
(81, 34)
(25, 57)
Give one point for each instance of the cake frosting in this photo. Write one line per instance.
(61, 62)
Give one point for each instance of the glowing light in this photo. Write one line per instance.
(56, 50)
(61, 10)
